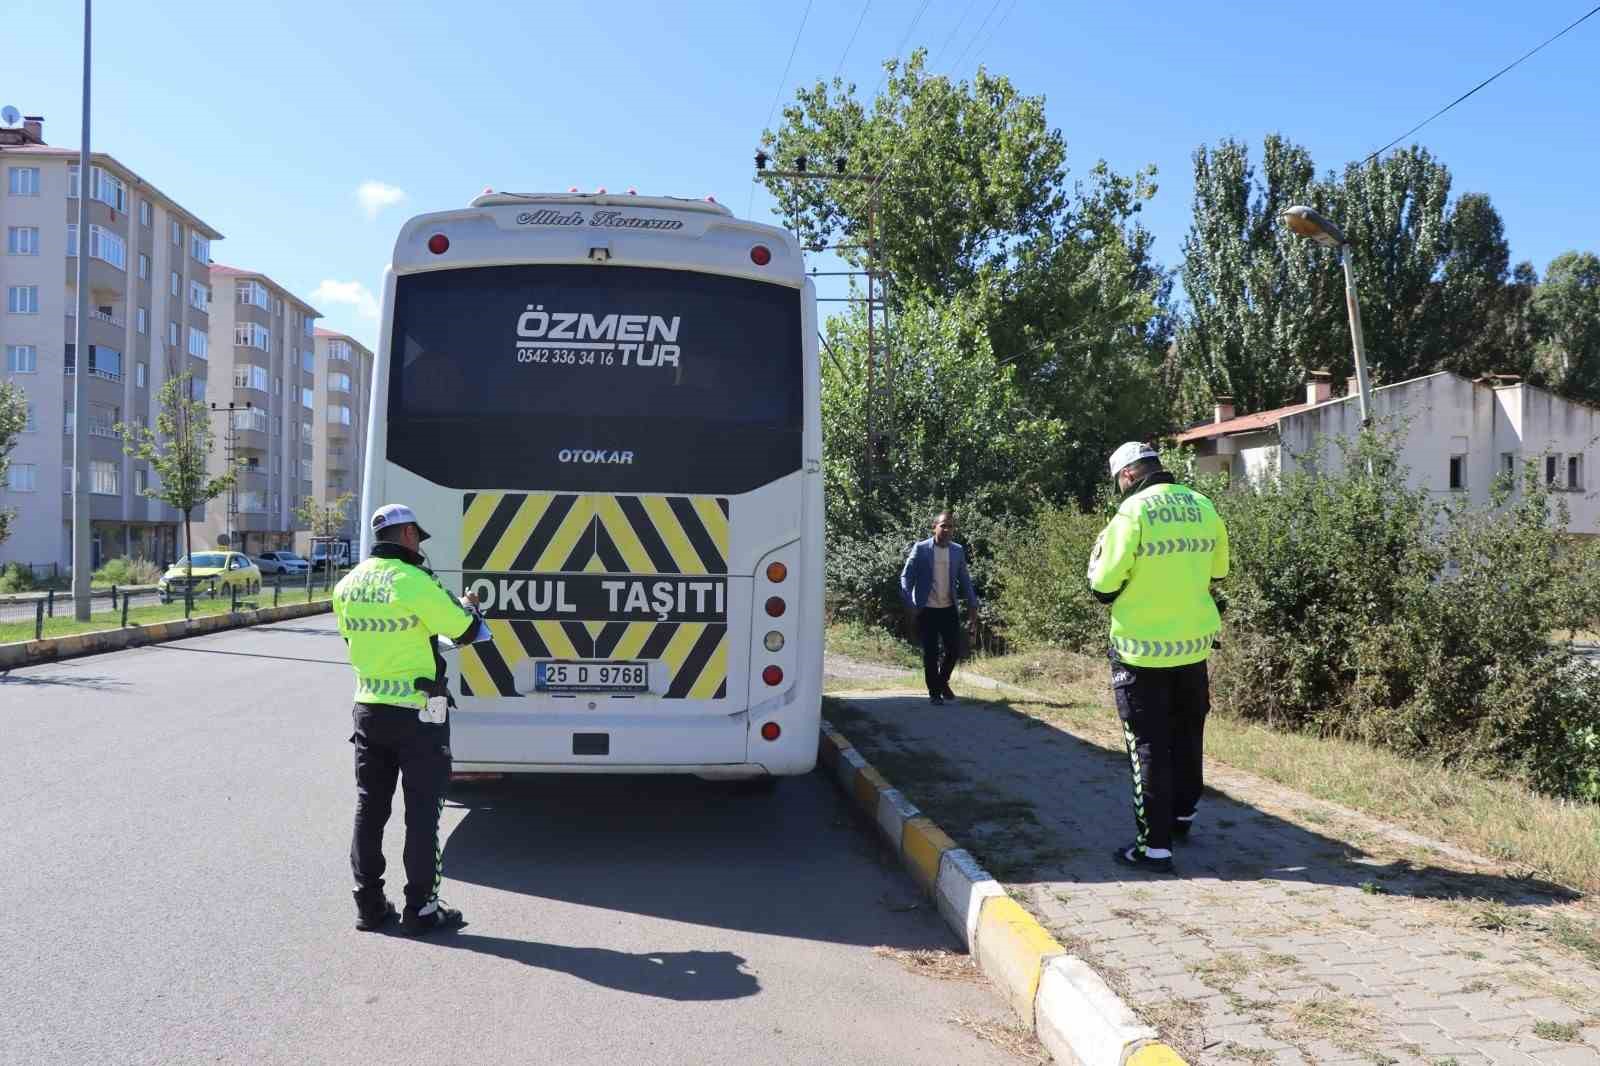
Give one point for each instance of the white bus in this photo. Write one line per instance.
(605, 411)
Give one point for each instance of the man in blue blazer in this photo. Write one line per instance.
(934, 576)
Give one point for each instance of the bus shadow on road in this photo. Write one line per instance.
(684, 976)
(792, 863)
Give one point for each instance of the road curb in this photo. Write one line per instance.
(53, 649)
(1073, 1012)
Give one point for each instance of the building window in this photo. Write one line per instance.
(251, 292)
(252, 335)
(144, 265)
(141, 481)
(1575, 472)
(23, 181)
(339, 350)
(199, 343)
(305, 470)
(103, 245)
(306, 399)
(308, 361)
(22, 240)
(338, 382)
(174, 285)
(254, 419)
(197, 388)
(32, 424)
(176, 231)
(172, 334)
(140, 378)
(143, 320)
(277, 306)
(310, 328)
(199, 296)
(107, 188)
(23, 299)
(1458, 471)
(246, 376)
(23, 477)
(305, 431)
(199, 248)
(277, 386)
(103, 362)
(22, 359)
(338, 415)
(105, 479)
(144, 212)
(1552, 466)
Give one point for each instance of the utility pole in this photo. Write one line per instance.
(232, 455)
(880, 370)
(81, 566)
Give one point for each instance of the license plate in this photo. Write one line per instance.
(591, 676)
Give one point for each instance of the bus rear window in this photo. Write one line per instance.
(596, 341)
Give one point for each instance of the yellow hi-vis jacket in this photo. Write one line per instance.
(1158, 556)
(389, 611)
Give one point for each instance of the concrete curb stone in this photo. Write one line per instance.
(54, 649)
(1074, 1013)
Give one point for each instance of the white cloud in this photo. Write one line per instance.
(353, 293)
(375, 196)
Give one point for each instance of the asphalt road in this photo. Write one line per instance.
(174, 888)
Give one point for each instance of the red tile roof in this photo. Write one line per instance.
(1243, 424)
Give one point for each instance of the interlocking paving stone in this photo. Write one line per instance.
(1267, 911)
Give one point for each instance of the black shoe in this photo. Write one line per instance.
(430, 916)
(1180, 830)
(1134, 856)
(936, 699)
(951, 696)
(373, 912)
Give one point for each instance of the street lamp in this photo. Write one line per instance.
(1305, 222)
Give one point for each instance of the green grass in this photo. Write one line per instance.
(64, 625)
(855, 641)
(1566, 1032)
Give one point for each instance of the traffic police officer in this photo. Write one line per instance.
(391, 612)
(1154, 563)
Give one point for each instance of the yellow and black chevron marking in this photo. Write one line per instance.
(541, 540)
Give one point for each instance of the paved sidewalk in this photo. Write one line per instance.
(1295, 932)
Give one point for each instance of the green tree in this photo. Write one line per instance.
(177, 450)
(1566, 314)
(13, 418)
(975, 207)
(324, 520)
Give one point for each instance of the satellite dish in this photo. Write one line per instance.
(10, 114)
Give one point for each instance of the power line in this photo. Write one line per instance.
(944, 48)
(851, 42)
(902, 47)
(1590, 13)
(778, 95)
(992, 9)
(994, 31)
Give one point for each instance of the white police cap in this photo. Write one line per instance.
(396, 514)
(1131, 452)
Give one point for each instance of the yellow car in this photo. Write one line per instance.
(214, 573)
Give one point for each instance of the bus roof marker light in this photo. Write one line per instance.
(438, 244)
(760, 255)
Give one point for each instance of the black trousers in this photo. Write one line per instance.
(393, 743)
(1163, 712)
(939, 625)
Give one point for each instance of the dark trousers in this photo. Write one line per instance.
(1163, 712)
(393, 743)
(939, 625)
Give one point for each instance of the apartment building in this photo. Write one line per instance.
(344, 372)
(264, 351)
(149, 276)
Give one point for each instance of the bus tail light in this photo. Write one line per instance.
(761, 255)
(772, 675)
(773, 642)
(776, 572)
(776, 606)
(771, 731)
(438, 244)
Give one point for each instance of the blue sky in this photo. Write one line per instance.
(267, 119)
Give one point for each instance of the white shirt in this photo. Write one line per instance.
(939, 595)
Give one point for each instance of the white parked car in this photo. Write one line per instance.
(281, 563)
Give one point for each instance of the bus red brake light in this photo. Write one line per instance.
(772, 675)
(776, 606)
(438, 244)
(776, 572)
(761, 255)
(771, 731)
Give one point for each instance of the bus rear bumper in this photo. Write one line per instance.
(708, 771)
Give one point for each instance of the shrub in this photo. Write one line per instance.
(125, 571)
(1043, 595)
(15, 577)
